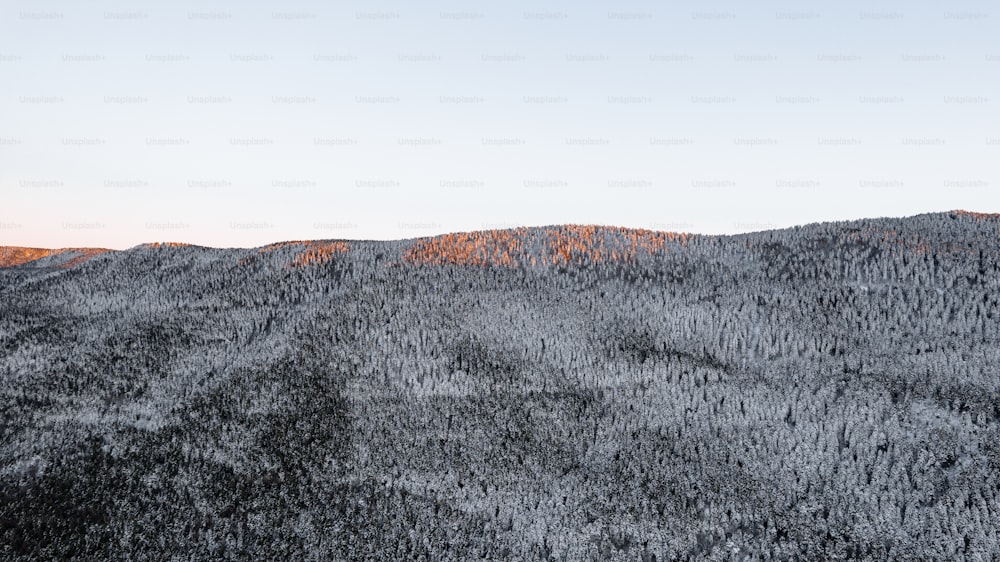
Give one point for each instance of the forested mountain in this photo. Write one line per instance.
(830, 391)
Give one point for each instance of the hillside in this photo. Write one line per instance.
(830, 391)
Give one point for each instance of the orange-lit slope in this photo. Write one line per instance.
(85, 254)
(154, 245)
(318, 252)
(977, 216)
(11, 256)
(559, 245)
(312, 251)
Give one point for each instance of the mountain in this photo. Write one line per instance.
(830, 391)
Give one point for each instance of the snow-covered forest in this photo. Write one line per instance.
(829, 391)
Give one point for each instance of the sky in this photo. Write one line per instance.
(244, 123)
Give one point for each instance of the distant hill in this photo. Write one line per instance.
(824, 392)
(551, 245)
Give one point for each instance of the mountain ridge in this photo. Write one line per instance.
(573, 242)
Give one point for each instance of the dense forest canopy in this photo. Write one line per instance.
(830, 391)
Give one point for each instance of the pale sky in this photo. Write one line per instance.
(243, 123)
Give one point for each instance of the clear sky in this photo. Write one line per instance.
(242, 123)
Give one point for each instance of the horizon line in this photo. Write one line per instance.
(960, 212)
